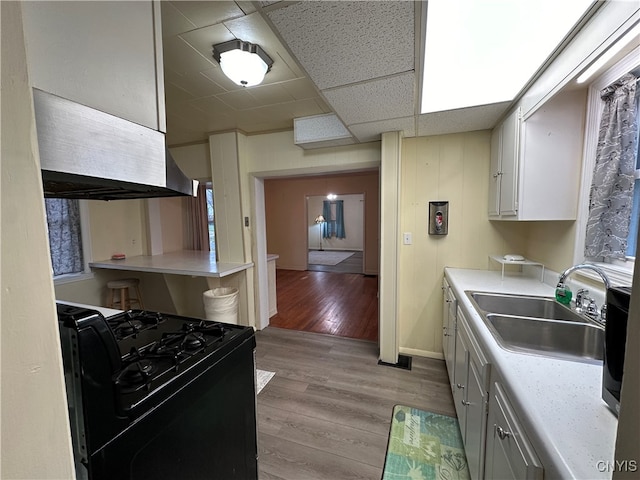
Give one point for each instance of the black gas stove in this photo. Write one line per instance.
(154, 395)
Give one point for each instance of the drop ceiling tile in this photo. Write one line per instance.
(272, 94)
(187, 112)
(174, 94)
(370, 132)
(239, 100)
(202, 14)
(301, 88)
(198, 85)
(269, 126)
(339, 43)
(203, 39)
(305, 108)
(181, 58)
(212, 105)
(462, 120)
(173, 21)
(390, 97)
(246, 6)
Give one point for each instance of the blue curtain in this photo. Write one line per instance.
(333, 227)
(326, 213)
(340, 232)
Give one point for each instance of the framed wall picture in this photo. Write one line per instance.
(438, 218)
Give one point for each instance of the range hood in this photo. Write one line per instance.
(89, 154)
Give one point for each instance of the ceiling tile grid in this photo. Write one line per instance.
(340, 43)
(389, 97)
(370, 132)
(462, 120)
(354, 59)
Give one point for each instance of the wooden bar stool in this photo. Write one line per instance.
(123, 298)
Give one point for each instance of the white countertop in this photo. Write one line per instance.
(106, 312)
(186, 262)
(558, 401)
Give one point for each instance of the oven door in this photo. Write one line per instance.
(615, 342)
(205, 430)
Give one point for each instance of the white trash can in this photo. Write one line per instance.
(221, 304)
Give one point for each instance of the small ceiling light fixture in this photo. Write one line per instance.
(332, 196)
(244, 63)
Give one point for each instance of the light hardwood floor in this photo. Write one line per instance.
(326, 413)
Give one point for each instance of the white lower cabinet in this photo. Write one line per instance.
(449, 328)
(509, 454)
(495, 443)
(470, 391)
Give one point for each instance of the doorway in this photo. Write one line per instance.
(317, 299)
(336, 233)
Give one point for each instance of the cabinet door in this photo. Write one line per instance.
(509, 164)
(75, 54)
(460, 378)
(449, 329)
(475, 421)
(494, 171)
(509, 454)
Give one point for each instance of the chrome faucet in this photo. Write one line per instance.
(592, 308)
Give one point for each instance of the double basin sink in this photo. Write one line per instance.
(540, 325)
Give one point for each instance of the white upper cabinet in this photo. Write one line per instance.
(505, 142)
(105, 55)
(536, 161)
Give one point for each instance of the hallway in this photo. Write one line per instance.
(342, 304)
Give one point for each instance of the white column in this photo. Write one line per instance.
(389, 254)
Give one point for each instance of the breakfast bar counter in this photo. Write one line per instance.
(185, 262)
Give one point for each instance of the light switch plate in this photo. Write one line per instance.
(406, 238)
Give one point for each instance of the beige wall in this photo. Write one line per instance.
(551, 243)
(36, 439)
(275, 155)
(286, 209)
(452, 168)
(118, 226)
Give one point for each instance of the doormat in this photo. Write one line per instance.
(424, 445)
(262, 378)
(326, 257)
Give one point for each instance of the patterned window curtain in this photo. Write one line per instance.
(65, 237)
(611, 197)
(198, 220)
(340, 231)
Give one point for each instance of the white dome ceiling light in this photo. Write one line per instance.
(244, 63)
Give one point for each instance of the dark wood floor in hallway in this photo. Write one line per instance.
(342, 304)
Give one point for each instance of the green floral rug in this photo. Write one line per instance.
(424, 445)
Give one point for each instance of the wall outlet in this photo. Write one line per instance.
(406, 238)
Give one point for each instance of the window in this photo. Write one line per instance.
(635, 216)
(210, 218)
(65, 236)
(619, 271)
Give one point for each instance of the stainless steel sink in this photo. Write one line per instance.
(525, 306)
(540, 326)
(561, 339)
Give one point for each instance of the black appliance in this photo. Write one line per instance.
(614, 345)
(158, 396)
